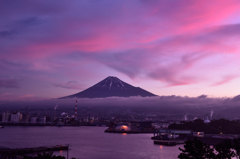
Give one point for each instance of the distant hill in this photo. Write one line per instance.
(111, 87)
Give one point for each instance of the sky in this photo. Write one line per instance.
(50, 49)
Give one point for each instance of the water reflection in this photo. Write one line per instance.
(88, 142)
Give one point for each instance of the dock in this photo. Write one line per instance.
(129, 131)
(169, 142)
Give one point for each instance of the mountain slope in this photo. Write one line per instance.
(111, 87)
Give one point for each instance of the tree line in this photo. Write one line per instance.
(214, 127)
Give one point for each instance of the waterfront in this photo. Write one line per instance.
(87, 142)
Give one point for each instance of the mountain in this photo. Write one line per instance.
(111, 87)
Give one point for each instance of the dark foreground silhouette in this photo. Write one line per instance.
(196, 149)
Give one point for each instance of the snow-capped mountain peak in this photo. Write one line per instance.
(111, 87)
(111, 83)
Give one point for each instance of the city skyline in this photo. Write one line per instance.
(51, 49)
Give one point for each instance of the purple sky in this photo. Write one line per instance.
(50, 49)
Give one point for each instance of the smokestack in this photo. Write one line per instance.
(76, 111)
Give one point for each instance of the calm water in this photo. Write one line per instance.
(87, 142)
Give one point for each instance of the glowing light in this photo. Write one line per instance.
(124, 133)
(124, 127)
(161, 147)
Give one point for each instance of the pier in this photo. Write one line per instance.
(169, 137)
(169, 142)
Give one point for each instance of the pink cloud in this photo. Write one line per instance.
(160, 40)
(14, 97)
(225, 79)
(110, 36)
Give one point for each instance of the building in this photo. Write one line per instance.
(145, 125)
(33, 120)
(6, 116)
(16, 117)
(25, 118)
(42, 120)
